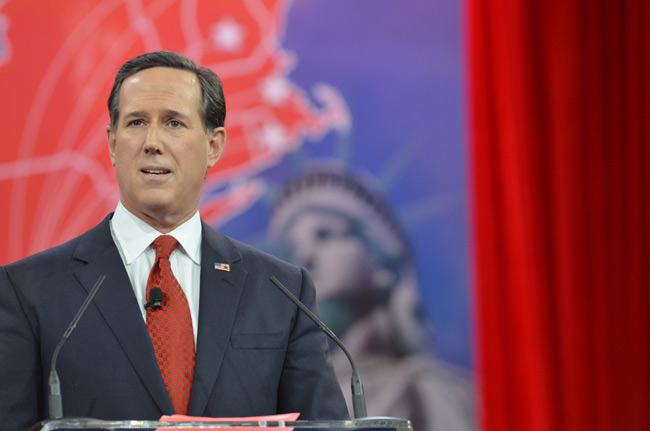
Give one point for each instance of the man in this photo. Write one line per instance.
(246, 349)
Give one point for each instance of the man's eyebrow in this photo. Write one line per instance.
(135, 114)
(173, 113)
(168, 112)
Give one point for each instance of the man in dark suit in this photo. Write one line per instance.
(255, 353)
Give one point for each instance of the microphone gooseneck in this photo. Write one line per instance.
(54, 397)
(358, 398)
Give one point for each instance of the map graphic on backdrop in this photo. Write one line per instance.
(372, 85)
(60, 168)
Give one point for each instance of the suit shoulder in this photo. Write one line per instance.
(239, 253)
(57, 260)
(264, 260)
(49, 258)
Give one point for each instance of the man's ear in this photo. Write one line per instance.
(110, 137)
(216, 143)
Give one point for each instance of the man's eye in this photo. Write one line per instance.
(175, 124)
(135, 123)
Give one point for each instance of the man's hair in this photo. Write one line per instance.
(213, 103)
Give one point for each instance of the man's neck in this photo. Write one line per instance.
(163, 222)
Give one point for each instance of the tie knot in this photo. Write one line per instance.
(164, 246)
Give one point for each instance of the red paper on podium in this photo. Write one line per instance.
(286, 417)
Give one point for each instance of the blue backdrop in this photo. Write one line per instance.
(398, 66)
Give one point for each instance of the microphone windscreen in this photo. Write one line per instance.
(155, 295)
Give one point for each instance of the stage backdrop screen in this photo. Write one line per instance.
(345, 154)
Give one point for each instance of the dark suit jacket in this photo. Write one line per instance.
(256, 353)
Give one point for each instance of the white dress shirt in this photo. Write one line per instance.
(134, 237)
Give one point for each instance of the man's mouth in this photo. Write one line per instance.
(155, 171)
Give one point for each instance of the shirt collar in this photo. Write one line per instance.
(135, 235)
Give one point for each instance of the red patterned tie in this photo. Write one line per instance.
(170, 327)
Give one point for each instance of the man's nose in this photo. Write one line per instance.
(153, 141)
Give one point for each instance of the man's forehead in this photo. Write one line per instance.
(162, 79)
(161, 71)
(175, 89)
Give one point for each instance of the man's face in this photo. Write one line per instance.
(160, 148)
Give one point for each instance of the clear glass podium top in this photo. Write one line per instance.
(366, 424)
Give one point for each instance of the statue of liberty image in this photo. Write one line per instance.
(340, 229)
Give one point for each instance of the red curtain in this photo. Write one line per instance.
(560, 144)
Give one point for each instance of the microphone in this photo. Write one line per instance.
(155, 298)
(358, 398)
(54, 397)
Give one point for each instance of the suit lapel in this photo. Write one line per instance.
(220, 294)
(119, 308)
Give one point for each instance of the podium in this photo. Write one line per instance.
(364, 424)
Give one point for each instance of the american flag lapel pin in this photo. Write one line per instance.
(222, 266)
